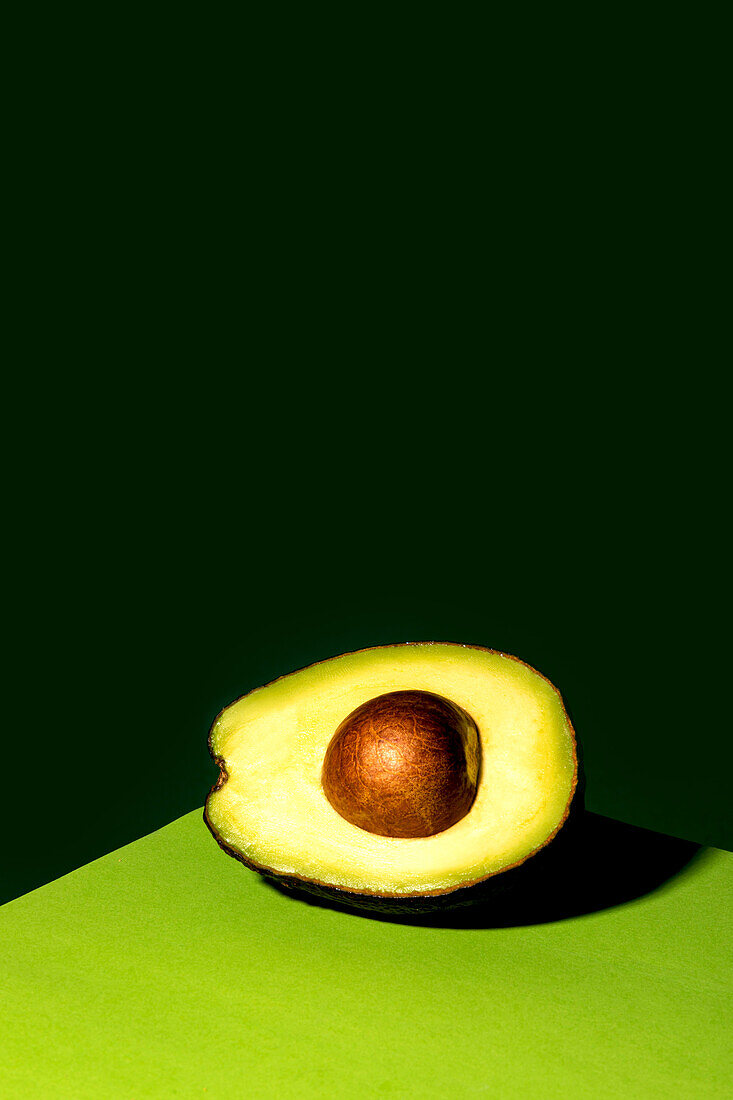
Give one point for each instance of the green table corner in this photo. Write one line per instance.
(166, 969)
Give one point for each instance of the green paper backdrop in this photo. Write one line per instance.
(165, 969)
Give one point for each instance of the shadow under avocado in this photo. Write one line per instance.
(602, 863)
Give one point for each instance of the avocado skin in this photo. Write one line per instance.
(535, 867)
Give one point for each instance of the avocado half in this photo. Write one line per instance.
(283, 808)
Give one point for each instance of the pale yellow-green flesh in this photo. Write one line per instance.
(273, 810)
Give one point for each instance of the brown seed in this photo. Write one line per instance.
(405, 764)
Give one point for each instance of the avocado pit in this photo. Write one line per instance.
(404, 764)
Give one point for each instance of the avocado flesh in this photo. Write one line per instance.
(270, 808)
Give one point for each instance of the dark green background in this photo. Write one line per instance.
(298, 374)
(174, 562)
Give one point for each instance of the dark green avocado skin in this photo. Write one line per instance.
(537, 873)
(534, 872)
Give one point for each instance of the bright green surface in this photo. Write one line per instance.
(166, 969)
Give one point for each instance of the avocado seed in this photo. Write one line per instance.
(405, 764)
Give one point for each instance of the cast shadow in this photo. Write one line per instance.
(603, 864)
